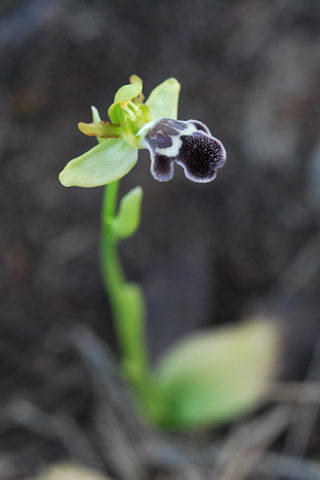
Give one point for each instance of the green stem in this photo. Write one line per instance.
(110, 199)
(126, 298)
(111, 269)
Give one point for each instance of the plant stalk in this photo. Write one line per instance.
(126, 299)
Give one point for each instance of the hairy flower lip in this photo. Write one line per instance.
(189, 143)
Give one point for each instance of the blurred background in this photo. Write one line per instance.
(205, 254)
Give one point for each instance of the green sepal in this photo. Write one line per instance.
(163, 100)
(106, 162)
(126, 223)
(213, 376)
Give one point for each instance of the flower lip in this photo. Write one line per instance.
(189, 143)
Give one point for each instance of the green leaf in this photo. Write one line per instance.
(213, 376)
(163, 100)
(127, 221)
(103, 164)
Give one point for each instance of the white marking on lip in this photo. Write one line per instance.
(173, 151)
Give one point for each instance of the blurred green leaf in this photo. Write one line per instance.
(163, 100)
(127, 221)
(213, 376)
(106, 162)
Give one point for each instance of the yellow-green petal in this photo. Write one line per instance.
(106, 162)
(163, 100)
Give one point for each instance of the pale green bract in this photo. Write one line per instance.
(126, 223)
(113, 158)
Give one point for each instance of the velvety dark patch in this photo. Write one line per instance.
(202, 156)
(162, 168)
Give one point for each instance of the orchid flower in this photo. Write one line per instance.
(152, 125)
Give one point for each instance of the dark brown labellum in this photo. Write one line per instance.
(190, 144)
